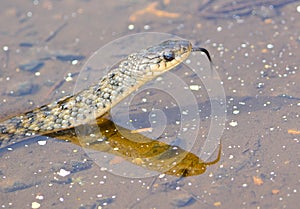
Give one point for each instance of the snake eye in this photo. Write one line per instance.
(169, 56)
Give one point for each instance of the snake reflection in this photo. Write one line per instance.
(136, 148)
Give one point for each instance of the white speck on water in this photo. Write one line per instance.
(188, 61)
(63, 172)
(194, 87)
(39, 197)
(159, 79)
(233, 123)
(69, 78)
(242, 103)
(74, 62)
(235, 112)
(35, 2)
(130, 27)
(29, 14)
(270, 46)
(184, 112)
(35, 205)
(267, 103)
(260, 85)
(147, 27)
(42, 142)
(161, 176)
(244, 185)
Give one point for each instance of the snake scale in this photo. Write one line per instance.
(71, 111)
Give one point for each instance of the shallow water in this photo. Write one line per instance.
(255, 51)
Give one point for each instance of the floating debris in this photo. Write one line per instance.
(131, 27)
(217, 203)
(39, 197)
(257, 180)
(42, 143)
(63, 172)
(194, 87)
(5, 48)
(292, 131)
(233, 123)
(235, 112)
(35, 205)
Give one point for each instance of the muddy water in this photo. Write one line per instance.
(255, 50)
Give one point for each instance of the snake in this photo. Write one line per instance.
(131, 73)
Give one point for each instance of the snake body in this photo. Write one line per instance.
(134, 71)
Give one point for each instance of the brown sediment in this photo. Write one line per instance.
(151, 9)
(293, 131)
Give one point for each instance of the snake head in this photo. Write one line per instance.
(164, 56)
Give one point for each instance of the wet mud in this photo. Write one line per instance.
(255, 51)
